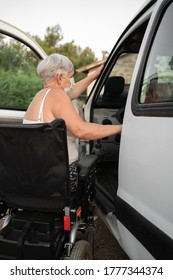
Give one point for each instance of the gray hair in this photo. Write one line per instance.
(53, 65)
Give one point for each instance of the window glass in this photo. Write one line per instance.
(124, 67)
(18, 78)
(157, 84)
(113, 88)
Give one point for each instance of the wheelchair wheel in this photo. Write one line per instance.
(90, 236)
(82, 250)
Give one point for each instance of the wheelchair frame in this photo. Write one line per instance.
(41, 218)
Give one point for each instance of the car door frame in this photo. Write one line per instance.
(15, 33)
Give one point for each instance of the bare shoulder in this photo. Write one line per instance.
(59, 101)
(58, 93)
(58, 96)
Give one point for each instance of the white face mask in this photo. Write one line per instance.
(71, 88)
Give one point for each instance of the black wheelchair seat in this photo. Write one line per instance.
(34, 166)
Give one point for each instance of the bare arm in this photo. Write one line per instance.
(84, 83)
(63, 108)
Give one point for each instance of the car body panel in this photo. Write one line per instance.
(12, 31)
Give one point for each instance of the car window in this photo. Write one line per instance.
(157, 86)
(115, 88)
(124, 68)
(18, 78)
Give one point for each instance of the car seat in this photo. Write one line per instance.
(113, 96)
(41, 218)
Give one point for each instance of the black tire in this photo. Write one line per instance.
(90, 236)
(82, 250)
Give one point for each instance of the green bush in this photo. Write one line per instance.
(18, 89)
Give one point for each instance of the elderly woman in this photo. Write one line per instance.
(55, 101)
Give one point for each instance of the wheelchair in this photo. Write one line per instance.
(40, 217)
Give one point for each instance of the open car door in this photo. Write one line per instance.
(133, 186)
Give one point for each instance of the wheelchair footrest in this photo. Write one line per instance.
(32, 235)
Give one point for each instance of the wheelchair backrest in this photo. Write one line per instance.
(34, 166)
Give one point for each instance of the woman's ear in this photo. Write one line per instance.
(59, 79)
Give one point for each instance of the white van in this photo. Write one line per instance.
(134, 188)
(134, 182)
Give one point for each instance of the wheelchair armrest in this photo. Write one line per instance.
(85, 164)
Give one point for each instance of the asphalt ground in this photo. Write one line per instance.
(106, 246)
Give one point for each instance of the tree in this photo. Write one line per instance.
(77, 55)
(51, 39)
(18, 80)
(53, 35)
(51, 44)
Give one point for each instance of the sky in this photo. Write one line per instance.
(89, 23)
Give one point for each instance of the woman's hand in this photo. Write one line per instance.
(80, 86)
(96, 72)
